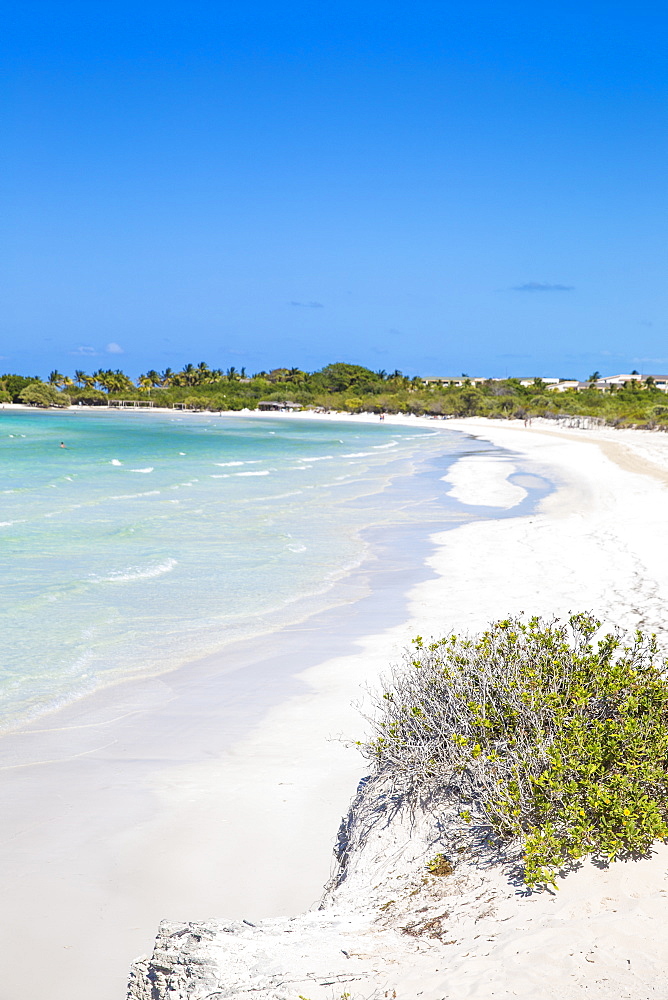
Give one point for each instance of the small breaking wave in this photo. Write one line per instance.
(252, 461)
(260, 472)
(390, 444)
(358, 454)
(133, 496)
(134, 573)
(115, 461)
(149, 469)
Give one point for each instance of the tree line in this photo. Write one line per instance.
(345, 387)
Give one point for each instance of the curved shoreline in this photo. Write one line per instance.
(254, 821)
(592, 544)
(147, 797)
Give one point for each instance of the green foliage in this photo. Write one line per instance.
(439, 865)
(556, 738)
(41, 394)
(88, 396)
(5, 397)
(13, 384)
(354, 388)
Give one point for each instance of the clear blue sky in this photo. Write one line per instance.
(444, 187)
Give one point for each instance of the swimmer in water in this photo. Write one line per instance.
(62, 444)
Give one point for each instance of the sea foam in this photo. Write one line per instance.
(134, 573)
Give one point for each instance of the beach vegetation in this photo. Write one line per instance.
(13, 384)
(44, 395)
(356, 389)
(550, 734)
(440, 865)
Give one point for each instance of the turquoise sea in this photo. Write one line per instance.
(151, 540)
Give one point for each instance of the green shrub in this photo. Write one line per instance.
(41, 394)
(556, 738)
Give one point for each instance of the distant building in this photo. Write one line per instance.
(536, 378)
(480, 380)
(275, 404)
(659, 381)
(561, 385)
(610, 380)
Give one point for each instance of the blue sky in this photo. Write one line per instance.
(436, 187)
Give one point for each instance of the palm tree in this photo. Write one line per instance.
(120, 382)
(104, 379)
(55, 378)
(153, 377)
(80, 377)
(167, 377)
(203, 373)
(189, 375)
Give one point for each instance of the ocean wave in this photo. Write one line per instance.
(315, 458)
(219, 475)
(274, 496)
(133, 496)
(297, 548)
(149, 469)
(359, 454)
(390, 444)
(115, 461)
(261, 472)
(134, 573)
(251, 461)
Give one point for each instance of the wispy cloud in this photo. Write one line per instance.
(87, 352)
(307, 305)
(542, 286)
(114, 348)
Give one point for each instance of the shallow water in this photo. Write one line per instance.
(150, 540)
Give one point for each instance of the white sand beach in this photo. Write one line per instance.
(137, 806)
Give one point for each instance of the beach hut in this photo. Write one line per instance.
(277, 405)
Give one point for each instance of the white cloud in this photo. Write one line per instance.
(114, 348)
(542, 286)
(86, 351)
